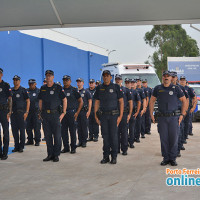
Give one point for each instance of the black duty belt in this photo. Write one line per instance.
(50, 111)
(112, 112)
(175, 113)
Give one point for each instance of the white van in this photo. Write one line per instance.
(134, 71)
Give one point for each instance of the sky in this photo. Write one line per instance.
(128, 41)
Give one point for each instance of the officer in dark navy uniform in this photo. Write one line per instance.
(93, 126)
(84, 114)
(136, 110)
(169, 117)
(128, 108)
(20, 110)
(51, 97)
(140, 117)
(5, 113)
(109, 99)
(147, 117)
(181, 129)
(69, 122)
(33, 121)
(191, 108)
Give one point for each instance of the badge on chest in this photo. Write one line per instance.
(111, 91)
(34, 94)
(1, 89)
(17, 95)
(68, 94)
(82, 95)
(171, 93)
(51, 92)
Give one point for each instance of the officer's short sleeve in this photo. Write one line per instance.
(179, 92)
(88, 95)
(25, 93)
(76, 94)
(137, 96)
(119, 91)
(96, 94)
(8, 90)
(186, 93)
(129, 94)
(155, 92)
(192, 92)
(61, 93)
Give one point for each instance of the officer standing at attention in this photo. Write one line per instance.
(33, 122)
(191, 108)
(109, 98)
(93, 126)
(5, 113)
(147, 113)
(51, 97)
(74, 105)
(84, 114)
(140, 117)
(123, 126)
(181, 129)
(169, 118)
(44, 83)
(136, 110)
(20, 110)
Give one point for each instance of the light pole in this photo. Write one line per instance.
(109, 52)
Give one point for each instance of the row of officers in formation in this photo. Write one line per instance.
(123, 112)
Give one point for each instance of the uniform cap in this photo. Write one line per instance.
(91, 80)
(45, 80)
(118, 77)
(79, 79)
(174, 74)
(138, 79)
(106, 72)
(166, 73)
(133, 80)
(67, 77)
(127, 80)
(16, 77)
(182, 77)
(144, 81)
(98, 81)
(1, 70)
(49, 72)
(31, 81)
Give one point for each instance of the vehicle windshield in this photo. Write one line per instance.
(197, 90)
(151, 78)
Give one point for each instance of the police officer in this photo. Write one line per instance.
(84, 114)
(93, 126)
(169, 118)
(147, 116)
(5, 113)
(109, 98)
(44, 83)
(33, 122)
(20, 110)
(136, 110)
(181, 129)
(128, 108)
(140, 118)
(191, 108)
(51, 97)
(74, 105)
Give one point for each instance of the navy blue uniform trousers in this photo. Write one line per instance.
(109, 134)
(123, 134)
(168, 130)
(147, 121)
(93, 126)
(138, 126)
(131, 125)
(69, 126)
(52, 133)
(5, 125)
(18, 129)
(82, 127)
(33, 123)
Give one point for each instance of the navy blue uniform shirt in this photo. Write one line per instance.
(126, 96)
(85, 96)
(135, 97)
(51, 96)
(19, 98)
(5, 92)
(72, 95)
(92, 95)
(167, 97)
(33, 95)
(109, 96)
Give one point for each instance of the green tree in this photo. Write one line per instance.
(169, 41)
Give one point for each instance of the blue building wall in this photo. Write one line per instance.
(29, 57)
